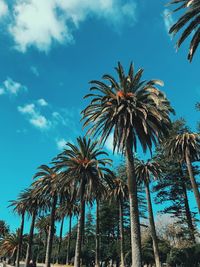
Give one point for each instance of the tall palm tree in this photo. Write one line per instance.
(67, 208)
(186, 148)
(20, 207)
(189, 22)
(42, 225)
(60, 216)
(84, 168)
(46, 187)
(72, 210)
(34, 204)
(133, 110)
(120, 193)
(145, 171)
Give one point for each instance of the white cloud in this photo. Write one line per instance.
(2, 91)
(3, 9)
(42, 102)
(27, 109)
(41, 23)
(168, 19)
(39, 121)
(109, 142)
(35, 71)
(61, 143)
(12, 87)
(34, 116)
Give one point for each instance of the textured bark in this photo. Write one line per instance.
(134, 213)
(51, 233)
(83, 226)
(69, 240)
(188, 213)
(39, 247)
(79, 238)
(97, 252)
(193, 181)
(60, 239)
(152, 227)
(20, 240)
(30, 241)
(121, 229)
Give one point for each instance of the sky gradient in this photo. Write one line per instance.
(51, 49)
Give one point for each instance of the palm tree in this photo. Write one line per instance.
(188, 213)
(20, 207)
(46, 187)
(72, 210)
(42, 225)
(34, 204)
(9, 245)
(189, 22)
(120, 193)
(145, 171)
(132, 110)
(4, 229)
(84, 168)
(67, 208)
(60, 216)
(186, 147)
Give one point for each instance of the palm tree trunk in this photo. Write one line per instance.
(188, 213)
(121, 229)
(60, 239)
(83, 226)
(20, 240)
(97, 253)
(51, 233)
(77, 259)
(193, 181)
(152, 226)
(30, 241)
(134, 213)
(69, 240)
(39, 247)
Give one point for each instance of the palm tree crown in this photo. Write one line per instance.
(84, 163)
(130, 107)
(145, 171)
(185, 144)
(45, 185)
(190, 21)
(119, 190)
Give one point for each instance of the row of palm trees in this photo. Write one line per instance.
(135, 112)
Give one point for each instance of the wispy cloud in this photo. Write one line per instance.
(12, 87)
(61, 143)
(3, 9)
(34, 116)
(168, 19)
(42, 102)
(42, 23)
(39, 121)
(35, 71)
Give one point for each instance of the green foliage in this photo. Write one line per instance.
(4, 228)
(128, 106)
(186, 257)
(188, 23)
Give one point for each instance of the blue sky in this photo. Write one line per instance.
(51, 49)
